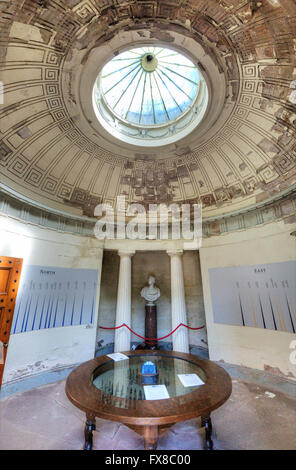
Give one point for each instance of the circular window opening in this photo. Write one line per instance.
(150, 96)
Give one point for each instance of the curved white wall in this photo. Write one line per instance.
(251, 347)
(53, 348)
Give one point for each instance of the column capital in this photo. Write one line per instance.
(175, 252)
(128, 253)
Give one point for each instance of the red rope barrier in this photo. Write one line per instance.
(150, 339)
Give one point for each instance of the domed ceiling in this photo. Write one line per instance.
(52, 151)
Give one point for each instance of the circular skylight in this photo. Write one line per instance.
(150, 93)
(149, 86)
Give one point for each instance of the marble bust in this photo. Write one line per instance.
(150, 293)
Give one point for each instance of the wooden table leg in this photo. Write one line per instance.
(90, 426)
(151, 437)
(207, 423)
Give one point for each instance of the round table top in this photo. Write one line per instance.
(113, 390)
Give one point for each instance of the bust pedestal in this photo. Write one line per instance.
(150, 293)
(150, 325)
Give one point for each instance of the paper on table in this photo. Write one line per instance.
(155, 392)
(190, 380)
(117, 356)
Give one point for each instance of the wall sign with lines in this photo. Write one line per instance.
(52, 297)
(261, 296)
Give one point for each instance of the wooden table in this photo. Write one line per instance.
(149, 418)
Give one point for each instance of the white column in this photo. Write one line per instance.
(178, 305)
(122, 340)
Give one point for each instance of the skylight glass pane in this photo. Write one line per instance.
(159, 106)
(147, 116)
(115, 92)
(136, 104)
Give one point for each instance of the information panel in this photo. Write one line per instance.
(52, 297)
(261, 296)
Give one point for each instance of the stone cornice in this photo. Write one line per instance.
(22, 208)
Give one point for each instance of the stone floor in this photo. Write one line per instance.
(253, 418)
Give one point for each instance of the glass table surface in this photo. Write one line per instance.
(122, 379)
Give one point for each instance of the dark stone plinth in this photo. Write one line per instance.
(150, 325)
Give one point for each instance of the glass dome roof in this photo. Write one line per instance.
(149, 86)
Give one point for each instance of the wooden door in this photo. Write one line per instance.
(10, 273)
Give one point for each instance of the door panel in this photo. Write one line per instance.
(4, 279)
(10, 273)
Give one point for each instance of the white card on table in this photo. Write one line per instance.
(117, 356)
(156, 392)
(190, 380)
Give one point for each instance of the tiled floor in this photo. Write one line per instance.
(251, 419)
